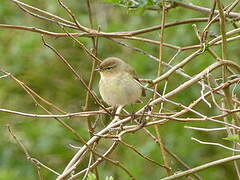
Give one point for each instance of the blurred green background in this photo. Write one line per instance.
(23, 54)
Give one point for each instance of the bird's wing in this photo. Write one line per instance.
(134, 75)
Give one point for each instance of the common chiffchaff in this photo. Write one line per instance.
(119, 84)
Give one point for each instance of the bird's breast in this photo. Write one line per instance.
(119, 90)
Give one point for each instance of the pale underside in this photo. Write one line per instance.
(120, 89)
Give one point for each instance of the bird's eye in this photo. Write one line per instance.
(108, 68)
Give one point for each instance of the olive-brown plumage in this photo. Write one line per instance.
(119, 84)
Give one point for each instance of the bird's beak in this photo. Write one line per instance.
(97, 69)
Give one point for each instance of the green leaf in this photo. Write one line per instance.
(234, 138)
(111, 1)
(109, 178)
(91, 176)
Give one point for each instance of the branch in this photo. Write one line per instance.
(204, 10)
(202, 167)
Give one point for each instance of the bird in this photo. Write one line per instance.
(119, 85)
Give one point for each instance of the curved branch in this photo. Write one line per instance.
(202, 167)
(204, 10)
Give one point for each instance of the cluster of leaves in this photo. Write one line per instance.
(233, 138)
(92, 176)
(142, 5)
(133, 4)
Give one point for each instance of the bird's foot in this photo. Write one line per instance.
(113, 111)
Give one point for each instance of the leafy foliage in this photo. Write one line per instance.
(135, 3)
(233, 138)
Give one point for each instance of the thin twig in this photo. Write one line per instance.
(202, 167)
(215, 144)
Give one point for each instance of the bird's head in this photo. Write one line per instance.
(111, 66)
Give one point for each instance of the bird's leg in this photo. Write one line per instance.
(117, 117)
(121, 127)
(132, 113)
(116, 114)
(113, 114)
(143, 120)
(114, 109)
